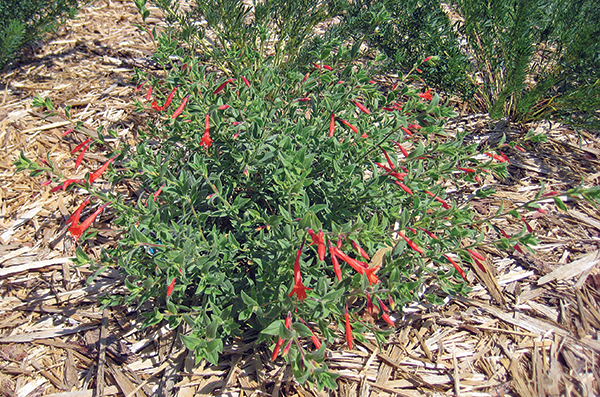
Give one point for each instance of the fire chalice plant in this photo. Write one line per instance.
(271, 195)
(287, 195)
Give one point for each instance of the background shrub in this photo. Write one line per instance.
(24, 21)
(521, 59)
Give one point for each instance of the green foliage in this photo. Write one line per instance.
(535, 58)
(215, 239)
(268, 176)
(524, 59)
(23, 22)
(274, 28)
(407, 32)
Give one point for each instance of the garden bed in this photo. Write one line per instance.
(529, 327)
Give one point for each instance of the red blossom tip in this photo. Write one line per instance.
(171, 287)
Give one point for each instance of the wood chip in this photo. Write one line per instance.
(572, 269)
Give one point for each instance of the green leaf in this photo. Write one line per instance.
(273, 328)
(301, 329)
(248, 300)
(559, 203)
(191, 342)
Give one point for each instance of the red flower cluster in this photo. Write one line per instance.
(337, 254)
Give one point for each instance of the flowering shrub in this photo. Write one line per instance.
(270, 195)
(24, 22)
(524, 60)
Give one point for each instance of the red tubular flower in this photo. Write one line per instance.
(414, 126)
(389, 161)
(331, 124)
(426, 95)
(82, 144)
(181, 107)
(288, 324)
(430, 234)
(399, 175)
(349, 337)
(80, 157)
(457, 267)
(360, 267)
(410, 243)
(403, 187)
(407, 131)
(382, 305)
(475, 254)
(77, 230)
(158, 192)
(404, 152)
(139, 86)
(305, 77)
(149, 94)
(222, 86)
(479, 264)
(502, 158)
(171, 287)
(369, 304)
(170, 98)
(286, 349)
(320, 245)
(361, 107)
(155, 106)
(65, 185)
(303, 99)
(327, 67)
(467, 170)
(391, 302)
(67, 132)
(74, 219)
(440, 200)
(384, 314)
(245, 80)
(347, 124)
(98, 173)
(552, 193)
(360, 250)
(529, 228)
(223, 107)
(314, 338)
(299, 288)
(206, 141)
(518, 248)
(427, 59)
(386, 317)
(385, 167)
(336, 264)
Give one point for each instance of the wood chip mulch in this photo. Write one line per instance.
(530, 326)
